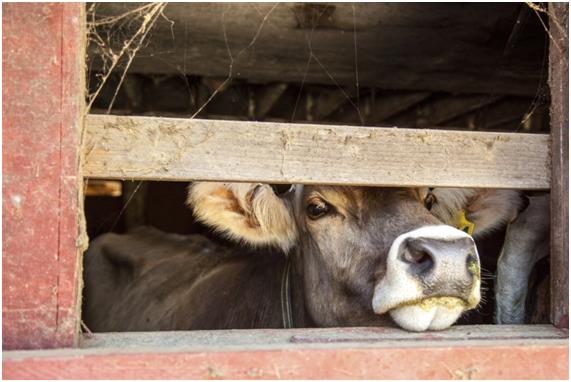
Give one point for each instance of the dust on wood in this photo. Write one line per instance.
(285, 153)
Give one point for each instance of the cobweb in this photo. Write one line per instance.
(130, 29)
(116, 40)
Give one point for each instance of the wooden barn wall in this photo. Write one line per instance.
(271, 42)
(559, 84)
(42, 103)
(42, 115)
(461, 352)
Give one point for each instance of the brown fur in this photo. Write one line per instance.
(488, 209)
(149, 280)
(261, 221)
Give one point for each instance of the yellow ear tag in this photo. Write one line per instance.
(465, 224)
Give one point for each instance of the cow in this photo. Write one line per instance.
(315, 256)
(526, 242)
(525, 219)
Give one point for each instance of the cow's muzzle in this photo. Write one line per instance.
(432, 277)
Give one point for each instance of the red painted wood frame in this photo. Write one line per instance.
(432, 361)
(43, 88)
(43, 93)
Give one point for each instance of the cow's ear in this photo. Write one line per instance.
(248, 212)
(484, 209)
(491, 209)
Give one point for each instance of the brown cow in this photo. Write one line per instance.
(526, 241)
(354, 256)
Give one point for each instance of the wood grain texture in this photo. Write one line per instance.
(559, 84)
(383, 107)
(267, 98)
(470, 352)
(439, 111)
(43, 91)
(181, 149)
(443, 47)
(211, 340)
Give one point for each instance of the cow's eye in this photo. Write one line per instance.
(317, 209)
(429, 201)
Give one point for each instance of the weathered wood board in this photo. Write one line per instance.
(182, 149)
(559, 83)
(43, 90)
(214, 340)
(469, 352)
(458, 48)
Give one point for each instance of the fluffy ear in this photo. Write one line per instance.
(248, 212)
(487, 209)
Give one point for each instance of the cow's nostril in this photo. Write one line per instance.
(420, 258)
(416, 257)
(472, 265)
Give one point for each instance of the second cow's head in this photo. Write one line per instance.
(366, 254)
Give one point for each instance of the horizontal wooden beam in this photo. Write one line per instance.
(110, 188)
(506, 110)
(328, 101)
(326, 337)
(266, 99)
(383, 107)
(438, 112)
(152, 148)
(396, 46)
(469, 352)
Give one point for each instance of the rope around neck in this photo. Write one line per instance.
(287, 318)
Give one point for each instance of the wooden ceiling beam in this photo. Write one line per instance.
(266, 98)
(438, 47)
(443, 109)
(506, 111)
(377, 108)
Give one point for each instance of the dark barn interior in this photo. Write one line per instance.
(479, 67)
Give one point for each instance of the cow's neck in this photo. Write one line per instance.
(299, 313)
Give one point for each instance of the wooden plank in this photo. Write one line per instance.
(385, 106)
(439, 111)
(109, 188)
(134, 202)
(559, 84)
(348, 353)
(336, 337)
(398, 46)
(181, 149)
(267, 97)
(536, 122)
(506, 110)
(43, 92)
(328, 101)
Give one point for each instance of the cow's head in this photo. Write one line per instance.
(486, 209)
(365, 253)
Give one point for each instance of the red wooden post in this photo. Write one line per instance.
(43, 99)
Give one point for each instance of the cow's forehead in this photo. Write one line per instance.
(356, 196)
(337, 195)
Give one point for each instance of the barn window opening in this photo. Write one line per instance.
(479, 68)
(401, 155)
